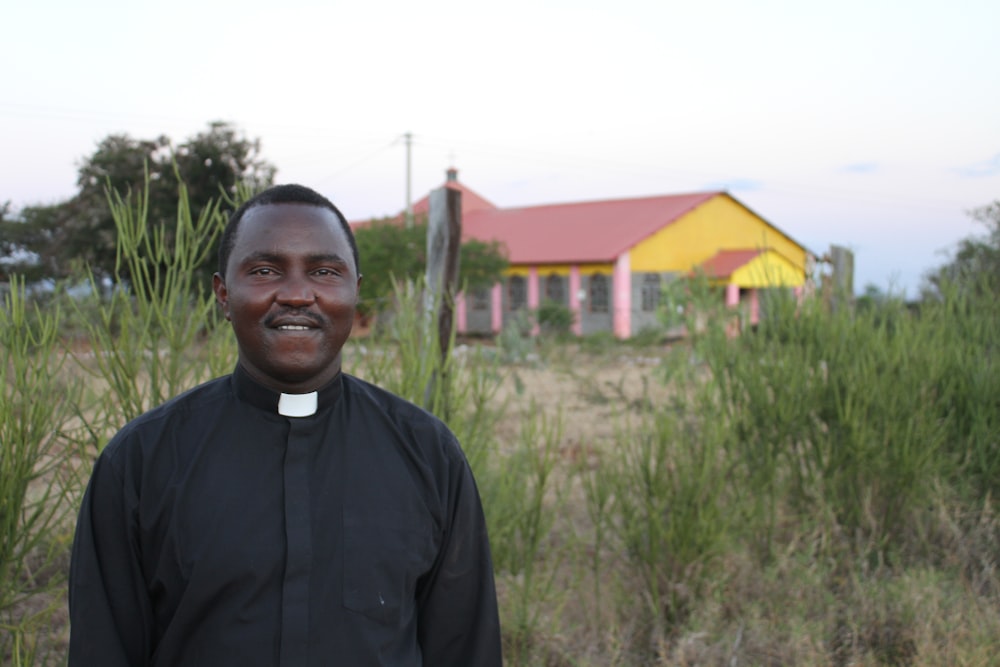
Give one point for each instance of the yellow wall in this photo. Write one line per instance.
(559, 269)
(718, 224)
(767, 270)
(591, 269)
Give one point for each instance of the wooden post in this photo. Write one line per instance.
(444, 239)
(842, 260)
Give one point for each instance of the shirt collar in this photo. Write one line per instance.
(261, 397)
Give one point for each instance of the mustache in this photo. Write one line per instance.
(297, 313)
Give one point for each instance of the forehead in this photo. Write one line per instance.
(289, 229)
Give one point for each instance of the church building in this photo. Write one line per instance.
(609, 260)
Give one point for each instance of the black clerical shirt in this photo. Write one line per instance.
(216, 532)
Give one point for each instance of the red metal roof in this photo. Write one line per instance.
(471, 201)
(725, 262)
(597, 231)
(578, 232)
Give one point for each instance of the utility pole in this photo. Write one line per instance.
(409, 200)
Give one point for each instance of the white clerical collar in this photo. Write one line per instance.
(297, 405)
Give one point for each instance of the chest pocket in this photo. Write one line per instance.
(385, 554)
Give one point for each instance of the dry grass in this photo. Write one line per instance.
(798, 608)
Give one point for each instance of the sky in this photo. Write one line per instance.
(871, 124)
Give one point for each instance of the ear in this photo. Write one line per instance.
(357, 290)
(221, 294)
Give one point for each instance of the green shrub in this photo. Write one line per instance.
(554, 318)
(515, 341)
(599, 342)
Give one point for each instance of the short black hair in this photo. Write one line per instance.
(291, 193)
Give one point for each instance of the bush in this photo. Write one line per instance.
(554, 318)
(515, 341)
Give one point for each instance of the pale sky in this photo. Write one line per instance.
(874, 125)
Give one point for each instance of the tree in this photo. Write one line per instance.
(390, 250)
(20, 236)
(221, 160)
(975, 265)
(84, 231)
(482, 264)
(213, 164)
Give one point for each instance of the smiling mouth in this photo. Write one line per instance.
(290, 320)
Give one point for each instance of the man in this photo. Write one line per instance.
(287, 515)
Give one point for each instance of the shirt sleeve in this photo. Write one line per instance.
(458, 621)
(111, 619)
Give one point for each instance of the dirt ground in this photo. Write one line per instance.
(589, 393)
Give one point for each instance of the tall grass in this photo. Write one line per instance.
(855, 419)
(963, 344)
(36, 399)
(522, 500)
(146, 326)
(660, 497)
(141, 335)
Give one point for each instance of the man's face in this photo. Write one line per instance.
(290, 292)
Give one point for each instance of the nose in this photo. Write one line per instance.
(296, 291)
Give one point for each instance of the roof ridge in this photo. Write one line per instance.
(706, 194)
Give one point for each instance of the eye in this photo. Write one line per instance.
(326, 272)
(262, 271)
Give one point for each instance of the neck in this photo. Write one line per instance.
(293, 384)
(296, 403)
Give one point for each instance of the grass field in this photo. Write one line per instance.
(819, 492)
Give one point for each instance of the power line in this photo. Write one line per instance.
(580, 162)
(378, 151)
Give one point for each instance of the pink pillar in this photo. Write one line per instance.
(732, 295)
(798, 292)
(533, 295)
(621, 290)
(496, 303)
(754, 306)
(574, 298)
(461, 323)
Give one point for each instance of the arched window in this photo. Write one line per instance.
(555, 290)
(481, 298)
(650, 292)
(517, 293)
(599, 293)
